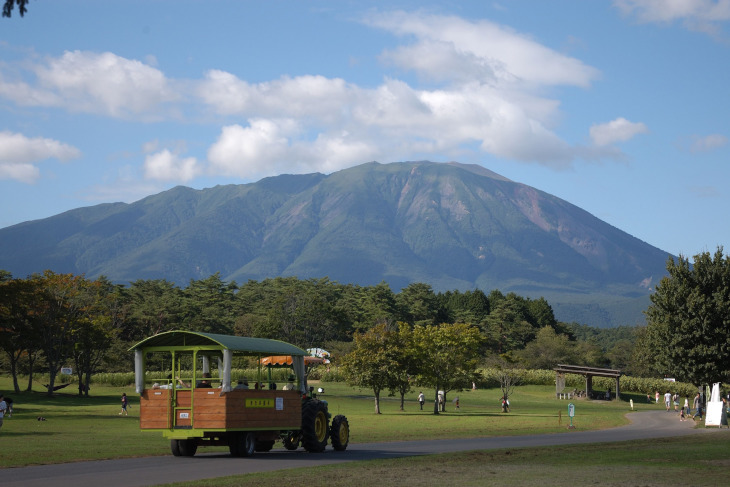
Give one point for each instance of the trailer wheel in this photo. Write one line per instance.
(175, 447)
(187, 447)
(291, 441)
(246, 444)
(233, 446)
(340, 433)
(264, 445)
(315, 427)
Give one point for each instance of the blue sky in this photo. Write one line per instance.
(620, 107)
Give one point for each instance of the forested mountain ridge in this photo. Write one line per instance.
(452, 226)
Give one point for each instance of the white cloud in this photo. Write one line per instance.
(316, 98)
(251, 152)
(150, 146)
(394, 117)
(491, 95)
(670, 10)
(699, 15)
(166, 166)
(25, 173)
(94, 83)
(19, 153)
(619, 130)
(480, 50)
(708, 143)
(270, 147)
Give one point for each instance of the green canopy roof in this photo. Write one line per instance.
(181, 338)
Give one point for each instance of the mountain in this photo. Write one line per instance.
(453, 226)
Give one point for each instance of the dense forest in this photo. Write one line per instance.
(53, 320)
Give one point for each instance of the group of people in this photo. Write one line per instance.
(422, 401)
(205, 383)
(671, 400)
(243, 384)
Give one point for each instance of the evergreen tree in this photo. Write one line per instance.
(688, 331)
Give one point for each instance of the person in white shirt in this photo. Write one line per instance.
(289, 386)
(3, 409)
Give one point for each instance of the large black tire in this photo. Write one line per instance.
(291, 441)
(175, 447)
(315, 426)
(242, 444)
(187, 447)
(247, 444)
(233, 446)
(264, 445)
(340, 433)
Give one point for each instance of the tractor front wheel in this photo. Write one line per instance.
(315, 427)
(340, 433)
(291, 441)
(264, 445)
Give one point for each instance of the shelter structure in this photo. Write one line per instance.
(589, 373)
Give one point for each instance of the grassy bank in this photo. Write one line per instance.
(698, 460)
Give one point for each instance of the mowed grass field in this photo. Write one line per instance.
(81, 428)
(91, 428)
(696, 461)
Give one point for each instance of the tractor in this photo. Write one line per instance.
(195, 404)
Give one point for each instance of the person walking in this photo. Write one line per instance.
(421, 399)
(697, 406)
(125, 403)
(3, 409)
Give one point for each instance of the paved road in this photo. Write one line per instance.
(148, 471)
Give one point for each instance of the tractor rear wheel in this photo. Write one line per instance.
(340, 433)
(315, 427)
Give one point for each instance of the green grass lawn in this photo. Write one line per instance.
(80, 428)
(698, 460)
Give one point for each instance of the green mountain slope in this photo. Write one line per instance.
(453, 226)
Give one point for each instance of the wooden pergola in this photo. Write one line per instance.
(588, 373)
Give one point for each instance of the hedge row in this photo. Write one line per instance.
(489, 378)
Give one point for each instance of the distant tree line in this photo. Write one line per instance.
(49, 320)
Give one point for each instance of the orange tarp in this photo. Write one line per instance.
(282, 360)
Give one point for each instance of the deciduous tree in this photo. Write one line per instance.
(447, 356)
(370, 364)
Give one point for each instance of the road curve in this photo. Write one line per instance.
(134, 472)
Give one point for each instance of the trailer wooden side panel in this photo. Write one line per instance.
(211, 409)
(153, 409)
